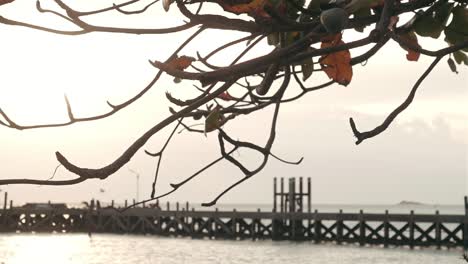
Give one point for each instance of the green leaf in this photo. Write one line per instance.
(457, 30)
(291, 10)
(443, 13)
(452, 65)
(460, 57)
(460, 19)
(213, 120)
(428, 26)
(307, 68)
(364, 12)
(355, 5)
(314, 5)
(432, 24)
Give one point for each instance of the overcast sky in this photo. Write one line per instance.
(421, 157)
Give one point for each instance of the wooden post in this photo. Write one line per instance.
(274, 194)
(386, 230)
(282, 194)
(291, 209)
(112, 203)
(89, 221)
(301, 193)
(4, 213)
(438, 231)
(317, 228)
(126, 204)
(291, 195)
(275, 227)
(11, 204)
(5, 200)
(255, 227)
(309, 195)
(465, 229)
(339, 228)
(99, 218)
(411, 229)
(234, 224)
(187, 218)
(177, 206)
(309, 206)
(168, 206)
(362, 228)
(300, 222)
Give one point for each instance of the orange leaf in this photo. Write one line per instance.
(226, 96)
(253, 8)
(377, 3)
(337, 65)
(412, 55)
(331, 38)
(181, 63)
(411, 38)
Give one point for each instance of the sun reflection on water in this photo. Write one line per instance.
(137, 249)
(40, 248)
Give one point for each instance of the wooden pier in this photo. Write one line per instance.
(287, 221)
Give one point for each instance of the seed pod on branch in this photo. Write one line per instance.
(334, 20)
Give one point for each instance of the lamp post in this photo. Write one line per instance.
(137, 184)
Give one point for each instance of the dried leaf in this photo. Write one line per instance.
(181, 63)
(226, 97)
(253, 8)
(393, 22)
(3, 2)
(411, 38)
(331, 38)
(174, 100)
(166, 4)
(337, 65)
(307, 67)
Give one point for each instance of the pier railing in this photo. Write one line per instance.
(386, 229)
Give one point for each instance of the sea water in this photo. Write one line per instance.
(134, 249)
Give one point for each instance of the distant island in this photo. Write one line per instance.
(404, 202)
